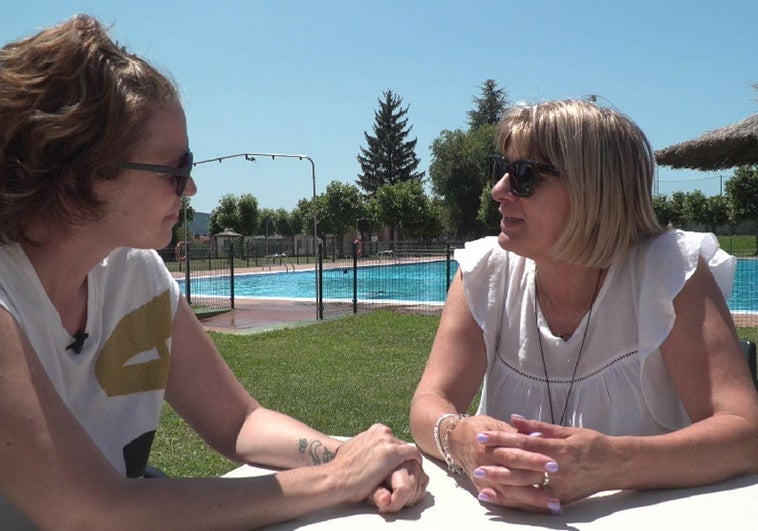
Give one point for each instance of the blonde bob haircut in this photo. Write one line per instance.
(607, 164)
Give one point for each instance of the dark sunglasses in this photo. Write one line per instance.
(522, 174)
(180, 173)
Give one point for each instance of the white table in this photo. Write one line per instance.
(450, 505)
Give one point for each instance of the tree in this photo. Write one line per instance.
(344, 205)
(488, 214)
(489, 106)
(709, 211)
(662, 208)
(742, 190)
(717, 212)
(459, 168)
(405, 206)
(458, 173)
(695, 206)
(247, 209)
(225, 215)
(301, 217)
(677, 212)
(237, 213)
(179, 233)
(284, 224)
(267, 222)
(388, 158)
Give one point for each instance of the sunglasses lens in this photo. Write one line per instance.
(522, 179)
(181, 180)
(498, 168)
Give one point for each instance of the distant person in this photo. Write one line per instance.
(94, 161)
(603, 342)
(180, 251)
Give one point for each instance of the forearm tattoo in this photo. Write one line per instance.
(314, 452)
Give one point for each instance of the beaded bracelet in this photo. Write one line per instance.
(443, 443)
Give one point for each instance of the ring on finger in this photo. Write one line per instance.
(545, 481)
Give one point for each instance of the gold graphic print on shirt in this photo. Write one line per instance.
(145, 329)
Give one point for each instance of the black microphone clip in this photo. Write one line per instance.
(78, 343)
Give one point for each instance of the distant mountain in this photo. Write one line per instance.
(199, 224)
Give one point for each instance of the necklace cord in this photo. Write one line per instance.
(578, 358)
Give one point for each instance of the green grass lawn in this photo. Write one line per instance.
(340, 376)
(739, 245)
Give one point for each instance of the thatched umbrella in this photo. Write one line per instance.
(727, 147)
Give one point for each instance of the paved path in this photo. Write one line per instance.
(257, 315)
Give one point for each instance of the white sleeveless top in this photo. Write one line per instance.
(622, 385)
(115, 385)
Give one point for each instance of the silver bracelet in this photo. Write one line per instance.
(443, 443)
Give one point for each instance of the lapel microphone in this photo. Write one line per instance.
(78, 343)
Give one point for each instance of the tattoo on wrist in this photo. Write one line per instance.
(314, 452)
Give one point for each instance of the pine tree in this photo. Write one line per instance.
(388, 158)
(489, 107)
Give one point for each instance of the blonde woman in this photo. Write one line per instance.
(602, 343)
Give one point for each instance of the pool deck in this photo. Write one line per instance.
(251, 316)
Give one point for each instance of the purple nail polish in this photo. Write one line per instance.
(482, 437)
(552, 466)
(483, 497)
(535, 434)
(554, 507)
(517, 416)
(479, 473)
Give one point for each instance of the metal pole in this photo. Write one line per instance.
(267, 221)
(187, 289)
(355, 277)
(447, 265)
(251, 157)
(231, 271)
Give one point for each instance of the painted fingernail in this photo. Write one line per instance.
(483, 497)
(552, 466)
(517, 416)
(479, 473)
(482, 437)
(554, 506)
(535, 434)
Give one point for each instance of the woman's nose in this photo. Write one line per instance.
(502, 189)
(191, 188)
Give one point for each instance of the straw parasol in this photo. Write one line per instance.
(727, 147)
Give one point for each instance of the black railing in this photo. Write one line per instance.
(409, 277)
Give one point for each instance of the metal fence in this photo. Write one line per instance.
(341, 285)
(364, 281)
(744, 299)
(408, 277)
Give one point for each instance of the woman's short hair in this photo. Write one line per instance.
(608, 167)
(72, 106)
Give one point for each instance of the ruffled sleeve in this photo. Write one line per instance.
(665, 264)
(478, 263)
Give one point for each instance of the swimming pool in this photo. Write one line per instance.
(417, 282)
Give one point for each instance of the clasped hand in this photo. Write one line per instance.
(508, 462)
(382, 469)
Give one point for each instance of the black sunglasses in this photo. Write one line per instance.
(180, 173)
(522, 174)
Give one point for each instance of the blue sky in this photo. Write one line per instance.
(304, 77)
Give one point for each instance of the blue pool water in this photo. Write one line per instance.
(423, 282)
(745, 286)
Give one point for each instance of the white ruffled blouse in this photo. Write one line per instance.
(622, 385)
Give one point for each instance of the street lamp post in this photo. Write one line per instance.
(268, 221)
(251, 158)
